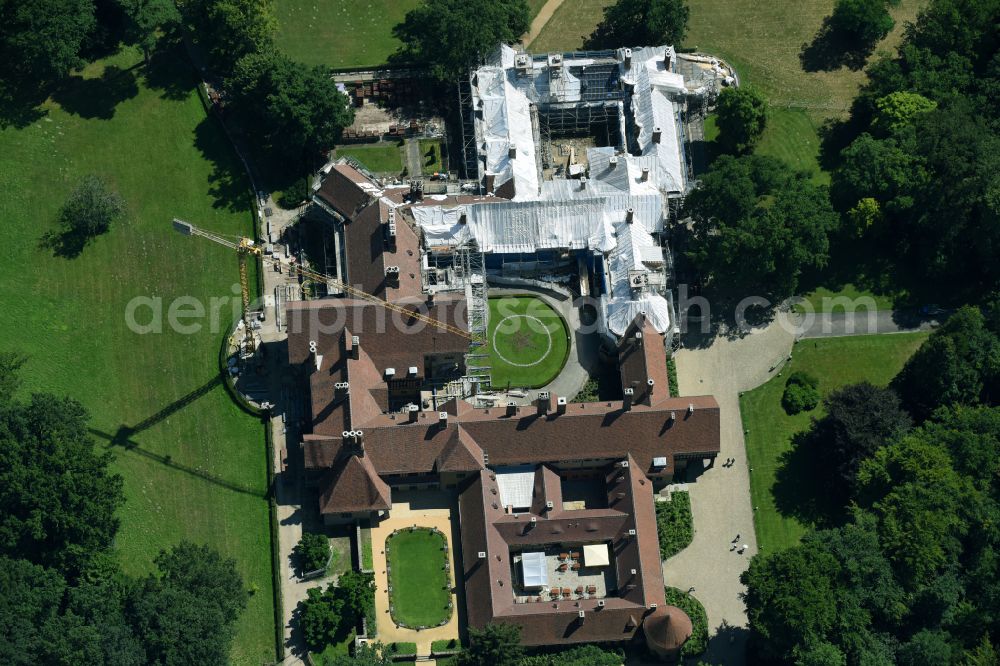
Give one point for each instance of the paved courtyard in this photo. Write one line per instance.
(720, 498)
(422, 509)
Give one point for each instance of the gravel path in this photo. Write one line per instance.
(720, 497)
(543, 16)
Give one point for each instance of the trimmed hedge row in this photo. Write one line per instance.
(674, 524)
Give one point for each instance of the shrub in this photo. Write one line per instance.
(672, 376)
(674, 524)
(294, 194)
(699, 621)
(802, 378)
(799, 398)
(313, 551)
(801, 393)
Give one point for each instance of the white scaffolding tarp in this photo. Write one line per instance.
(516, 486)
(534, 570)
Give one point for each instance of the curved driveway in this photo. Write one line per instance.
(720, 498)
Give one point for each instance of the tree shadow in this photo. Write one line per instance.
(832, 49)
(20, 105)
(801, 487)
(228, 182)
(66, 242)
(170, 71)
(123, 437)
(97, 97)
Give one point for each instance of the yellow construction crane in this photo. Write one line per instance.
(246, 247)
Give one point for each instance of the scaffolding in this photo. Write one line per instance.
(470, 152)
(470, 268)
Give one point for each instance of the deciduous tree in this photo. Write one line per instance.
(641, 23)
(866, 21)
(741, 118)
(757, 226)
(493, 645)
(450, 36)
(146, 18)
(292, 110)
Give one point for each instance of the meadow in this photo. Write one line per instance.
(769, 430)
(194, 464)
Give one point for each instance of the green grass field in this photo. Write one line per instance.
(419, 581)
(836, 362)
(195, 467)
(341, 33)
(430, 154)
(381, 157)
(528, 342)
(825, 300)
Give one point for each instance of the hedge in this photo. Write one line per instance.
(699, 621)
(674, 523)
(404, 649)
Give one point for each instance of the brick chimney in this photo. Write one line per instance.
(542, 402)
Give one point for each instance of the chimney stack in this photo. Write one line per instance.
(657, 133)
(629, 214)
(413, 413)
(691, 408)
(512, 152)
(511, 408)
(560, 405)
(612, 161)
(542, 402)
(341, 390)
(645, 174)
(583, 183)
(442, 419)
(355, 347)
(627, 396)
(650, 383)
(627, 58)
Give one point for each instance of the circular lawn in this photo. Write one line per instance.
(528, 342)
(419, 589)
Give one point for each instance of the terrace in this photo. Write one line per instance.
(563, 572)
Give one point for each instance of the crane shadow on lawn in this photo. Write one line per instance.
(123, 438)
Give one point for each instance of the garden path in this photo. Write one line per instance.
(407, 514)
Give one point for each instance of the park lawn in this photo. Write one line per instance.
(569, 26)
(769, 430)
(541, 344)
(381, 157)
(792, 136)
(196, 469)
(823, 299)
(342, 33)
(430, 162)
(420, 585)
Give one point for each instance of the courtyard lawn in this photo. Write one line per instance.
(381, 157)
(420, 585)
(430, 155)
(342, 33)
(792, 137)
(835, 362)
(528, 342)
(194, 464)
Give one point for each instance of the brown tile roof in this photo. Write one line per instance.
(642, 358)
(667, 629)
(460, 453)
(391, 339)
(487, 580)
(354, 485)
(347, 190)
(369, 250)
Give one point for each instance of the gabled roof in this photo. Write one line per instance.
(347, 190)
(354, 485)
(460, 453)
(642, 356)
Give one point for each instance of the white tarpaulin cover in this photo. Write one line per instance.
(596, 555)
(516, 485)
(534, 570)
(569, 214)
